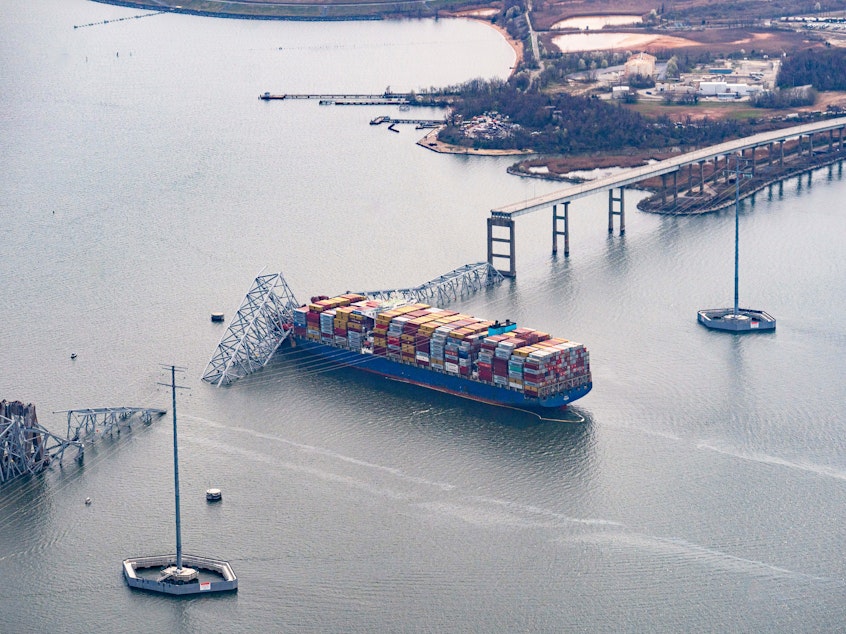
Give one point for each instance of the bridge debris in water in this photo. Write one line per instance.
(261, 324)
(86, 424)
(266, 316)
(25, 446)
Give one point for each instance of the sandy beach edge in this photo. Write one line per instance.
(430, 140)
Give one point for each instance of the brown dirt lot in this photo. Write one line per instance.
(718, 41)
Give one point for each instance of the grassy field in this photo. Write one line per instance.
(710, 109)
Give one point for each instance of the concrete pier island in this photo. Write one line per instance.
(741, 320)
(218, 577)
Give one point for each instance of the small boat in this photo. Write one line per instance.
(214, 495)
(73, 355)
(87, 501)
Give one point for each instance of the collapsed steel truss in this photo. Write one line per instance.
(262, 323)
(87, 424)
(460, 282)
(265, 317)
(25, 446)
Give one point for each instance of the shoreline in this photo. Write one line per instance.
(430, 142)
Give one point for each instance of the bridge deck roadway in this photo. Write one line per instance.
(637, 174)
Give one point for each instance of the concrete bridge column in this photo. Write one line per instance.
(556, 232)
(726, 171)
(690, 176)
(613, 212)
(701, 177)
(770, 153)
(753, 159)
(840, 138)
(830, 140)
(781, 154)
(508, 223)
(675, 188)
(663, 189)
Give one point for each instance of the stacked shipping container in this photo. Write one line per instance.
(520, 359)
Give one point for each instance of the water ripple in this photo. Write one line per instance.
(753, 456)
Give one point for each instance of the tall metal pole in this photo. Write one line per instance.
(176, 473)
(736, 243)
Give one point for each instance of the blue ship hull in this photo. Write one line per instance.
(434, 379)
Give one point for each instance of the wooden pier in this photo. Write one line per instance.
(343, 98)
(420, 123)
(401, 99)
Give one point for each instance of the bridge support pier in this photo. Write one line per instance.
(556, 232)
(508, 223)
(675, 188)
(621, 211)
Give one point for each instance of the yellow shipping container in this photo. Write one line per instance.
(481, 326)
(386, 317)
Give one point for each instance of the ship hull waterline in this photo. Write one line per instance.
(444, 382)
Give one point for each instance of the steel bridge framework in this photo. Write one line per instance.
(26, 448)
(87, 424)
(460, 282)
(265, 317)
(262, 322)
(501, 223)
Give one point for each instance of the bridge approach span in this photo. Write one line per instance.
(716, 156)
(634, 175)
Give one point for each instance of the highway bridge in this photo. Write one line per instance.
(762, 151)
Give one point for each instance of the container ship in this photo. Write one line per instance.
(445, 350)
